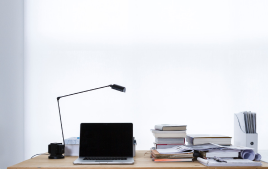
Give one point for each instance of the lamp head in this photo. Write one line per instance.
(117, 87)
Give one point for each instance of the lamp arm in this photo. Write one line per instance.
(60, 121)
(58, 99)
(82, 92)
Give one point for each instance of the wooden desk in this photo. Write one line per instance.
(141, 162)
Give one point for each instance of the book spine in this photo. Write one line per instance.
(169, 135)
(164, 146)
(170, 160)
(170, 156)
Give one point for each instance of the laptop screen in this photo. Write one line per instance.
(106, 140)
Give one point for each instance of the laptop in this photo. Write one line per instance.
(105, 143)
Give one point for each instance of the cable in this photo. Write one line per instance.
(39, 154)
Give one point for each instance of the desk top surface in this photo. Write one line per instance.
(142, 161)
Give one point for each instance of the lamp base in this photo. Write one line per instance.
(56, 156)
(56, 150)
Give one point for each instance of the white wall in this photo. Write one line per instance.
(186, 62)
(11, 83)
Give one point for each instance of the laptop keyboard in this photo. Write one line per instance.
(105, 158)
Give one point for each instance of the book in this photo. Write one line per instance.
(160, 140)
(172, 134)
(219, 153)
(229, 162)
(163, 146)
(174, 160)
(196, 139)
(157, 155)
(170, 127)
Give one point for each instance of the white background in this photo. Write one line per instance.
(187, 62)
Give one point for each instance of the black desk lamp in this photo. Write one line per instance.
(57, 149)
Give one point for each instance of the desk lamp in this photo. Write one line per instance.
(57, 149)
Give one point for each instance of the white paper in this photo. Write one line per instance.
(210, 146)
(236, 148)
(251, 123)
(247, 121)
(168, 151)
(248, 154)
(230, 162)
(254, 122)
(241, 121)
(257, 157)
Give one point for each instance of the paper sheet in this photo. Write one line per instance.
(201, 147)
(248, 154)
(247, 121)
(230, 162)
(241, 120)
(257, 157)
(174, 150)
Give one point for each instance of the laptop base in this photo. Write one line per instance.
(81, 161)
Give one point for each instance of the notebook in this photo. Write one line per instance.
(106, 143)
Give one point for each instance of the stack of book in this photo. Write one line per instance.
(169, 135)
(171, 157)
(196, 139)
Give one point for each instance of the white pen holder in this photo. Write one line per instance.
(244, 139)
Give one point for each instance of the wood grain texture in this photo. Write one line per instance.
(142, 161)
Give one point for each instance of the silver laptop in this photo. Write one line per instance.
(106, 143)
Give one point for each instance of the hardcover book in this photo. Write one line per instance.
(157, 155)
(170, 127)
(196, 139)
(170, 134)
(159, 140)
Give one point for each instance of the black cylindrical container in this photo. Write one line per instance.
(55, 150)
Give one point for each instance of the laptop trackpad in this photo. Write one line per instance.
(104, 161)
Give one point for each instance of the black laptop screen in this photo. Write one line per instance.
(106, 140)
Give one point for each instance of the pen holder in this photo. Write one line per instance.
(244, 139)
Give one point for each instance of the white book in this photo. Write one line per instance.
(170, 134)
(222, 153)
(160, 140)
(164, 146)
(170, 127)
(196, 139)
(168, 151)
(230, 162)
